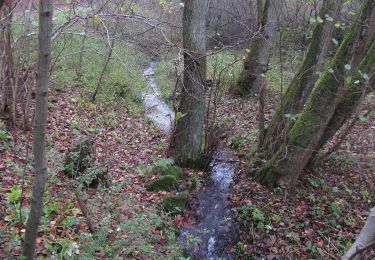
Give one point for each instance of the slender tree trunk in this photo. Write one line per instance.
(186, 143)
(41, 110)
(304, 137)
(364, 240)
(303, 82)
(259, 52)
(106, 62)
(6, 56)
(82, 52)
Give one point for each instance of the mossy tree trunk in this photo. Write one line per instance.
(353, 58)
(255, 65)
(186, 143)
(303, 82)
(355, 92)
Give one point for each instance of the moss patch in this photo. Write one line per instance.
(175, 204)
(165, 183)
(168, 170)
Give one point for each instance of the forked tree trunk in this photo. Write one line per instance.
(186, 143)
(259, 52)
(41, 110)
(294, 99)
(365, 239)
(306, 134)
(354, 94)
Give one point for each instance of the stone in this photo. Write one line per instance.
(163, 183)
(175, 204)
(168, 170)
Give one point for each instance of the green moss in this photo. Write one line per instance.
(165, 183)
(175, 204)
(168, 170)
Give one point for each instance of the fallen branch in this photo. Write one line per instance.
(85, 212)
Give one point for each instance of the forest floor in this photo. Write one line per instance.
(317, 220)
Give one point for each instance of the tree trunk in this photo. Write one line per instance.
(329, 92)
(6, 62)
(186, 143)
(41, 110)
(364, 240)
(355, 92)
(259, 52)
(303, 82)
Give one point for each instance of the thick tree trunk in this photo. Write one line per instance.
(260, 51)
(364, 240)
(306, 134)
(303, 82)
(41, 110)
(186, 143)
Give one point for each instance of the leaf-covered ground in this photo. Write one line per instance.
(317, 220)
(128, 219)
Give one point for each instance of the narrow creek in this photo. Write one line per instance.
(216, 228)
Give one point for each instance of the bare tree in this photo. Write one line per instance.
(41, 110)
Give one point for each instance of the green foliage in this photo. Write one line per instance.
(194, 182)
(175, 204)
(241, 251)
(135, 238)
(79, 158)
(252, 213)
(336, 208)
(15, 195)
(4, 135)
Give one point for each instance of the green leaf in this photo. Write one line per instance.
(348, 67)
(319, 19)
(365, 76)
(349, 81)
(362, 118)
(328, 18)
(133, 7)
(179, 115)
(335, 42)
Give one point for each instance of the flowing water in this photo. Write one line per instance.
(215, 228)
(156, 108)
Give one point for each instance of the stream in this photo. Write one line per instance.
(216, 228)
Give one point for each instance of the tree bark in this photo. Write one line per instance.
(6, 62)
(41, 111)
(329, 92)
(364, 240)
(259, 52)
(186, 142)
(303, 82)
